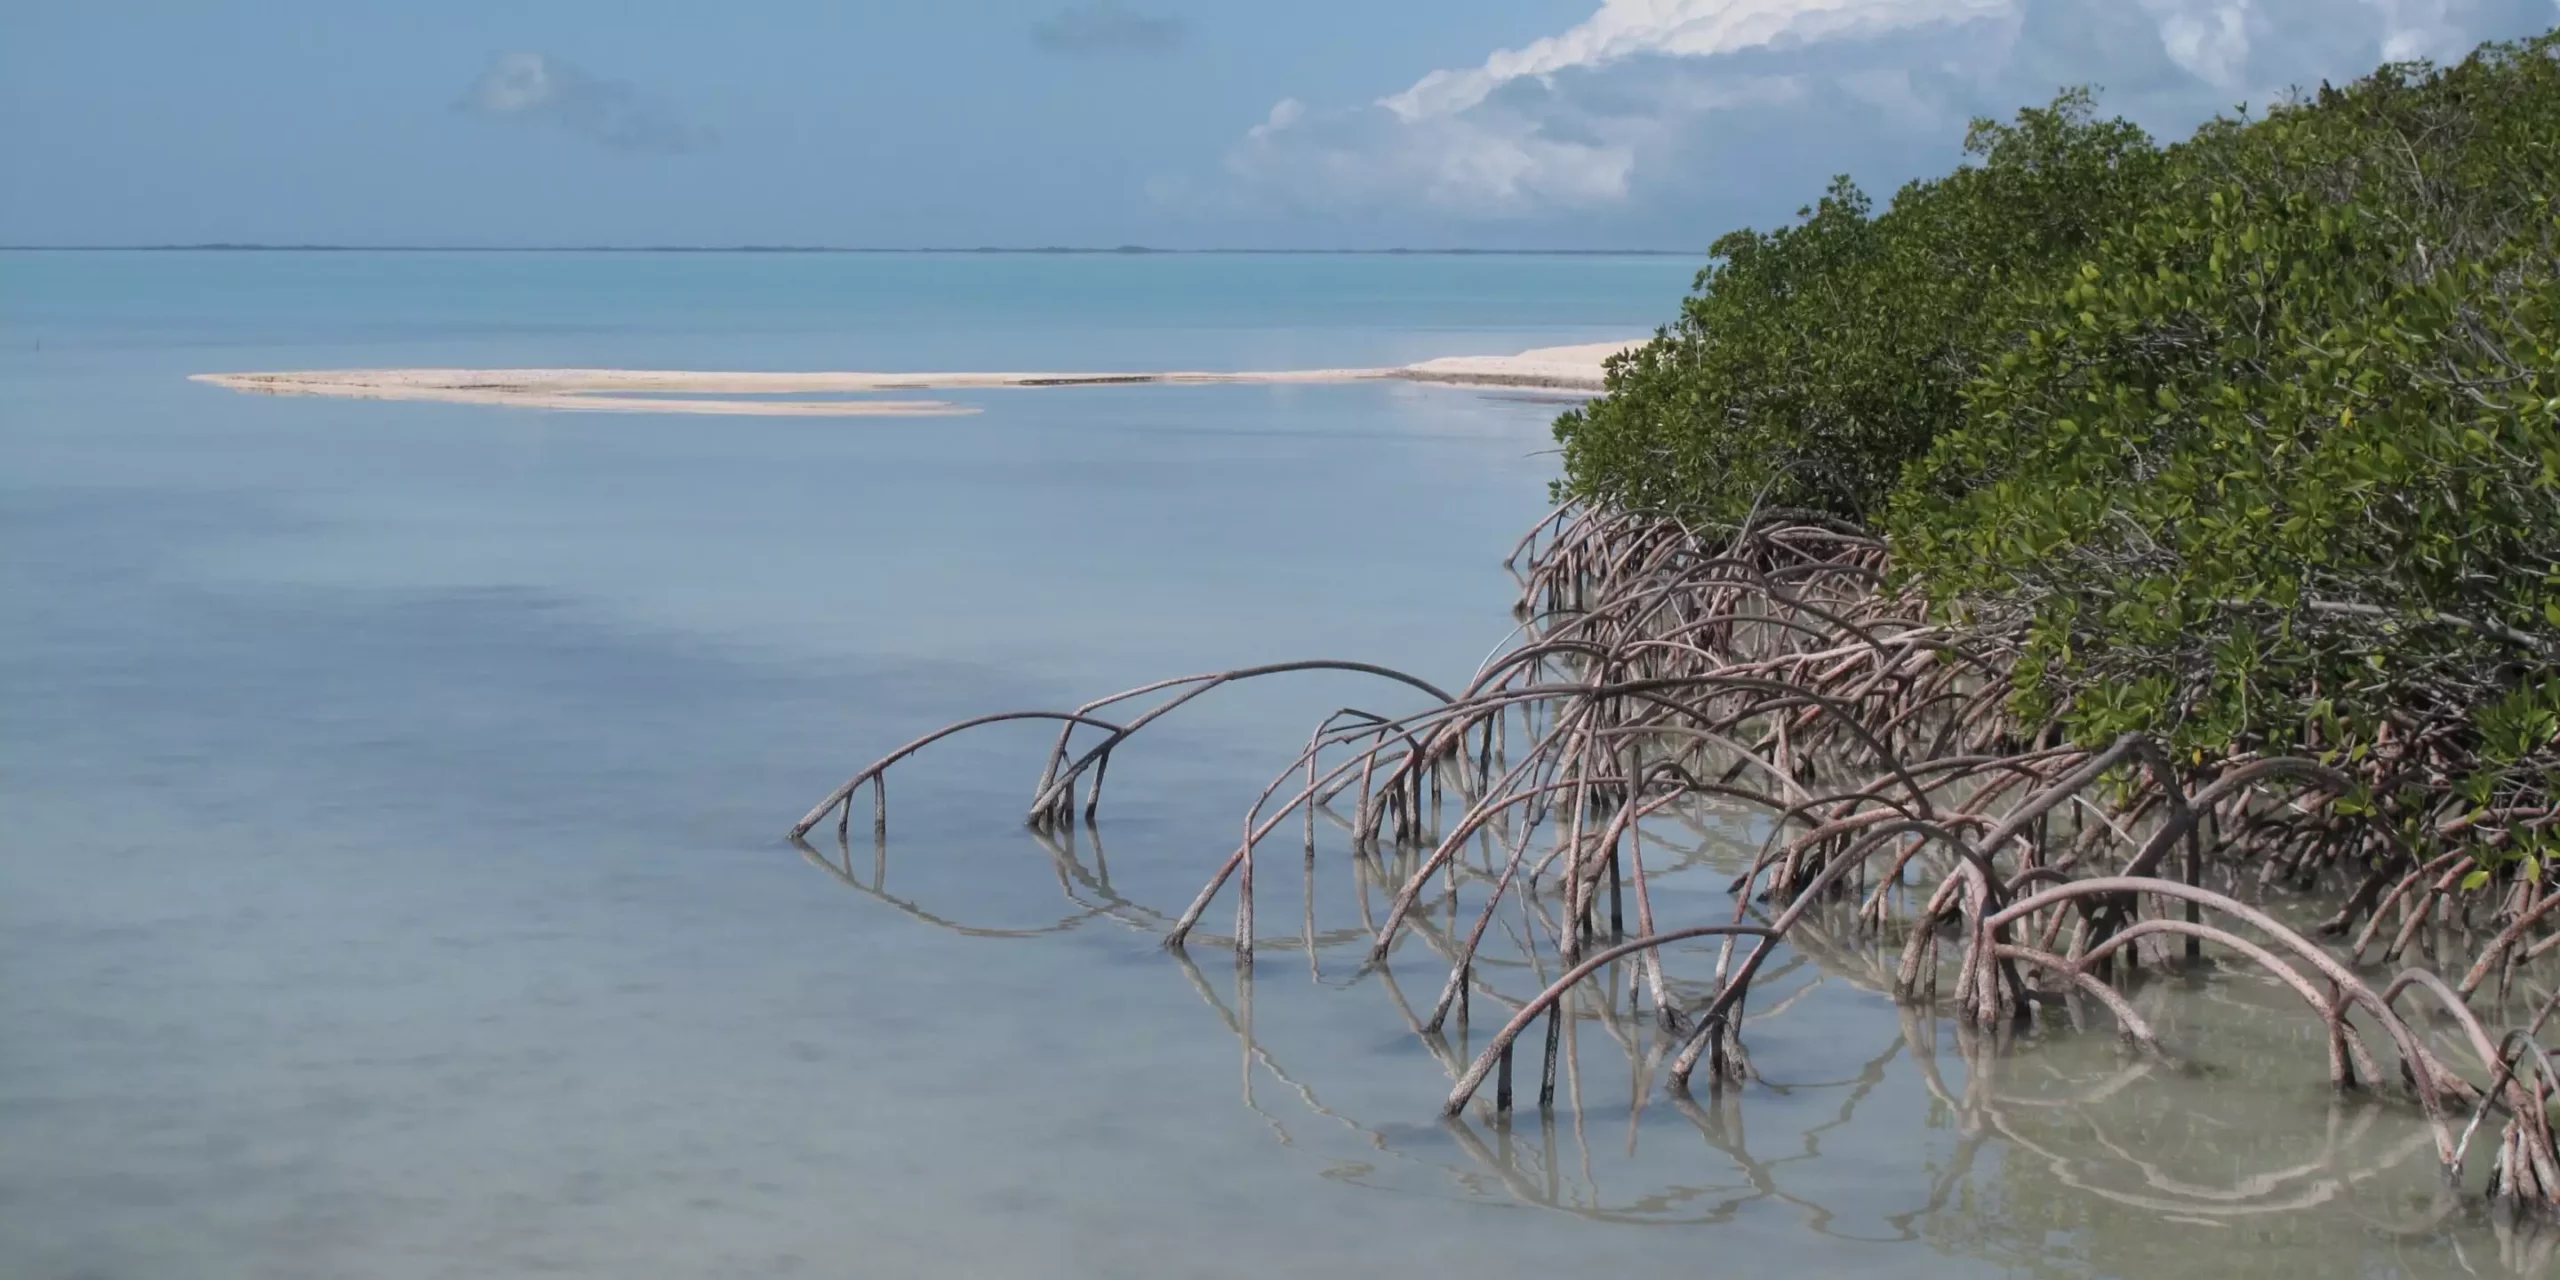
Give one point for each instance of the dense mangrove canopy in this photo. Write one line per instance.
(2252, 442)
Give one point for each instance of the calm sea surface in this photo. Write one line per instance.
(390, 881)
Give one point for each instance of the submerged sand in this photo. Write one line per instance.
(1570, 369)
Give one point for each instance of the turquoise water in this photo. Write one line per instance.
(391, 882)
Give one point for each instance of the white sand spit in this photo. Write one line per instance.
(656, 390)
(1562, 368)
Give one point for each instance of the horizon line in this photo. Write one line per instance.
(1133, 250)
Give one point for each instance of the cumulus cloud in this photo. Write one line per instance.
(532, 88)
(1708, 106)
(1105, 27)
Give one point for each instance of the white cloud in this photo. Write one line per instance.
(2423, 28)
(1671, 106)
(1681, 28)
(534, 88)
(2210, 39)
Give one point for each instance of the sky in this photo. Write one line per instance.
(1173, 123)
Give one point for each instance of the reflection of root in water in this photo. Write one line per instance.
(2013, 1115)
(1088, 892)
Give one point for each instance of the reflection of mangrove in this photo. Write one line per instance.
(1765, 680)
(1088, 892)
(2063, 1127)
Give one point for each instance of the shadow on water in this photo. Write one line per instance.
(2052, 1155)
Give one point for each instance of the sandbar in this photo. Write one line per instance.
(1565, 369)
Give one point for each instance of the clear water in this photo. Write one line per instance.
(390, 883)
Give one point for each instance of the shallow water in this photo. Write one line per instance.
(392, 888)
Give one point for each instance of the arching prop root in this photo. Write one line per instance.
(1769, 678)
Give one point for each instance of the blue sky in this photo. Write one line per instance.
(1317, 123)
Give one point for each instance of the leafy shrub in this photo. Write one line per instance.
(2252, 443)
(2282, 463)
(1813, 362)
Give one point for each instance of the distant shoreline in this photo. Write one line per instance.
(1135, 251)
(1574, 370)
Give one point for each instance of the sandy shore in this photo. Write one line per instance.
(1575, 369)
(1560, 368)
